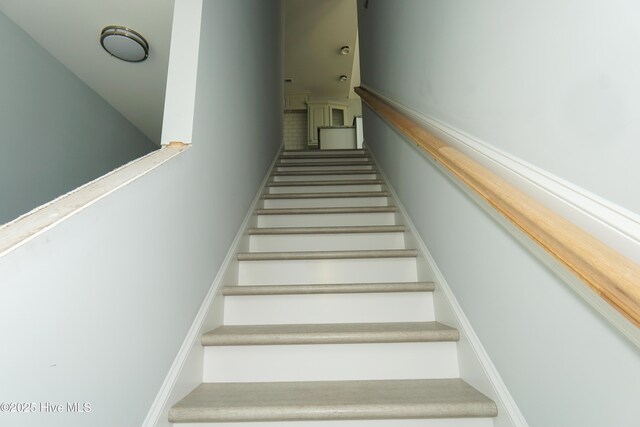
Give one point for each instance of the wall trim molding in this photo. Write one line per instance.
(191, 344)
(610, 223)
(39, 220)
(494, 386)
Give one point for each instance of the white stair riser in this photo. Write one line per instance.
(326, 220)
(319, 152)
(329, 362)
(326, 160)
(329, 308)
(324, 188)
(450, 422)
(326, 242)
(326, 202)
(312, 177)
(324, 167)
(374, 270)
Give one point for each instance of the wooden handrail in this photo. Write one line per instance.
(607, 272)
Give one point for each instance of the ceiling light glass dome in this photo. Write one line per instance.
(124, 43)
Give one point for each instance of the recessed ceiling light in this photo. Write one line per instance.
(344, 50)
(343, 78)
(124, 43)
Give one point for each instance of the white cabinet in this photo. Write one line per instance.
(321, 114)
(318, 117)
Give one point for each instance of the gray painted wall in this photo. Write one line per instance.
(57, 133)
(96, 308)
(553, 83)
(516, 75)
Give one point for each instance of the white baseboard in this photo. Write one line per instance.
(476, 367)
(186, 371)
(612, 224)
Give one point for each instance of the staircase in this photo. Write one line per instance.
(330, 321)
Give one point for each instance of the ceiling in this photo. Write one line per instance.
(314, 33)
(70, 31)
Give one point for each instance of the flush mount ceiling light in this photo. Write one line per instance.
(343, 78)
(124, 43)
(344, 50)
